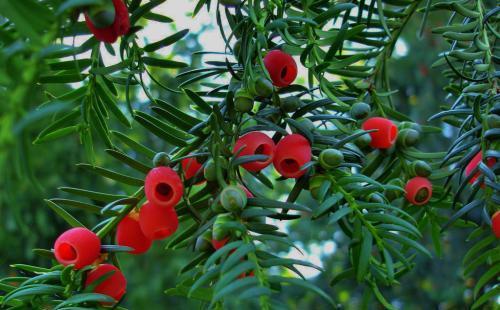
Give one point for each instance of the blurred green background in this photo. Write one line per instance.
(31, 173)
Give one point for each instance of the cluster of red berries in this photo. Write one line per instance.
(156, 220)
(101, 26)
(82, 247)
(288, 156)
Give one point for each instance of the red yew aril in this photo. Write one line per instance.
(490, 162)
(291, 153)
(163, 187)
(114, 283)
(386, 133)
(190, 167)
(254, 143)
(495, 224)
(418, 190)
(281, 67)
(217, 244)
(78, 246)
(157, 222)
(129, 233)
(120, 26)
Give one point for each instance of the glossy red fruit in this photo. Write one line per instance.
(490, 162)
(254, 143)
(291, 153)
(157, 222)
(217, 244)
(129, 233)
(78, 246)
(114, 284)
(190, 167)
(163, 187)
(281, 67)
(418, 190)
(386, 135)
(120, 26)
(495, 224)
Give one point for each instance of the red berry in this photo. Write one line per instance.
(254, 143)
(163, 187)
(129, 233)
(190, 167)
(157, 222)
(78, 246)
(281, 67)
(495, 224)
(490, 162)
(418, 190)
(120, 26)
(217, 244)
(291, 153)
(114, 284)
(386, 135)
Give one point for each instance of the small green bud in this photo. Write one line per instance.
(233, 198)
(243, 101)
(261, 87)
(330, 158)
(210, 172)
(161, 159)
(409, 125)
(204, 241)
(363, 140)
(315, 184)
(290, 104)
(408, 137)
(421, 168)
(360, 110)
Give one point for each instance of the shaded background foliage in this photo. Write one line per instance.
(30, 173)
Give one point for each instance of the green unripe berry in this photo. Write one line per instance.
(421, 168)
(376, 198)
(315, 184)
(408, 137)
(261, 87)
(220, 231)
(409, 125)
(360, 110)
(307, 123)
(493, 121)
(102, 16)
(233, 198)
(330, 158)
(243, 101)
(363, 140)
(204, 241)
(210, 173)
(161, 159)
(290, 104)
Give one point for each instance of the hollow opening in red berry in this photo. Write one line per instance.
(164, 192)
(289, 165)
(263, 149)
(422, 195)
(287, 75)
(67, 252)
